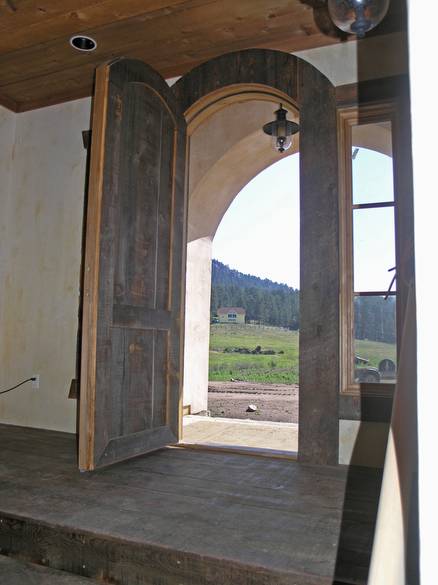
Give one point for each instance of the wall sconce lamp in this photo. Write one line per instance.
(357, 16)
(281, 129)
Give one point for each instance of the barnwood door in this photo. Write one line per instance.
(132, 352)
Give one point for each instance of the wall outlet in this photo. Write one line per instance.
(36, 382)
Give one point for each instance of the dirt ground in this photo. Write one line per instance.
(275, 402)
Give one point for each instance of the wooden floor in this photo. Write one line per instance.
(14, 572)
(184, 517)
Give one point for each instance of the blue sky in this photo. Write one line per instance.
(259, 234)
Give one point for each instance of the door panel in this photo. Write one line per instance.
(131, 375)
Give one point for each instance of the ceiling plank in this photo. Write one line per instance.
(9, 103)
(57, 86)
(78, 82)
(172, 36)
(177, 36)
(33, 23)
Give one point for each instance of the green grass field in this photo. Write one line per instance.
(275, 369)
(281, 368)
(375, 351)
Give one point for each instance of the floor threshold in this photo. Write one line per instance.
(240, 450)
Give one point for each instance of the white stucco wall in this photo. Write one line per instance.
(42, 193)
(197, 326)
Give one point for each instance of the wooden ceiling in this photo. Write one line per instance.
(38, 67)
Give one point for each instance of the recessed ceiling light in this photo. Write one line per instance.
(83, 43)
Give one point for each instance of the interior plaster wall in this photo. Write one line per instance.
(42, 174)
(7, 138)
(369, 58)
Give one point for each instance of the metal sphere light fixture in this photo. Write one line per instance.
(281, 129)
(357, 16)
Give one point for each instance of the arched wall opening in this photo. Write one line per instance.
(314, 96)
(227, 149)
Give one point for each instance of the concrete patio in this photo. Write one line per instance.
(240, 433)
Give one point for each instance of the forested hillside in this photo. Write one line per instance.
(277, 304)
(269, 302)
(374, 319)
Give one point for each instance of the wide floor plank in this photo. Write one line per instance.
(14, 572)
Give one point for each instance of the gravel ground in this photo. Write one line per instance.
(275, 402)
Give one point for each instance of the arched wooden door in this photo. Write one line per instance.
(131, 373)
(134, 268)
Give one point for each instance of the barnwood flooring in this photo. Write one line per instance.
(13, 572)
(183, 517)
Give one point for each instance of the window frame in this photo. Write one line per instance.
(347, 118)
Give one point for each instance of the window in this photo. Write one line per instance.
(368, 251)
(232, 316)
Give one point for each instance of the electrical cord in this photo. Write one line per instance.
(18, 385)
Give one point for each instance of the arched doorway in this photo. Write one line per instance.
(226, 151)
(135, 256)
(276, 76)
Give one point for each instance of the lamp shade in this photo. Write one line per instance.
(281, 129)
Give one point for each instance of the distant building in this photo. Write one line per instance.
(231, 315)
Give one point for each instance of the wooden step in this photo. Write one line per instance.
(181, 517)
(17, 572)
